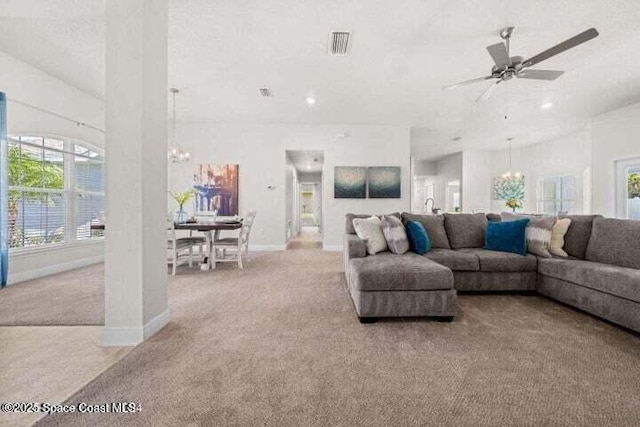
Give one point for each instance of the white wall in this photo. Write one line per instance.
(615, 136)
(449, 169)
(477, 172)
(26, 84)
(291, 197)
(423, 167)
(260, 152)
(568, 155)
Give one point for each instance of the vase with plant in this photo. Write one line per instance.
(181, 199)
(514, 204)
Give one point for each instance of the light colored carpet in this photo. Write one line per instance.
(306, 240)
(278, 344)
(72, 298)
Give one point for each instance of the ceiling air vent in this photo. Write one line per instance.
(266, 92)
(339, 43)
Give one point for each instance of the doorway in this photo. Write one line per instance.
(304, 199)
(628, 189)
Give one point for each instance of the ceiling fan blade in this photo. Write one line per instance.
(487, 93)
(467, 82)
(540, 74)
(561, 47)
(499, 54)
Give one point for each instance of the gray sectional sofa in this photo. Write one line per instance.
(601, 275)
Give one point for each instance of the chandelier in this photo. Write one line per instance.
(175, 153)
(509, 175)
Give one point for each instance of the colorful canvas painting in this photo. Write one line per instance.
(216, 188)
(384, 182)
(350, 182)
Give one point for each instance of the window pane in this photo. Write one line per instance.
(53, 170)
(90, 208)
(32, 139)
(88, 175)
(56, 144)
(13, 163)
(549, 207)
(30, 167)
(633, 192)
(39, 219)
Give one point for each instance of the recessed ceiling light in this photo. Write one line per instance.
(546, 105)
(308, 166)
(310, 100)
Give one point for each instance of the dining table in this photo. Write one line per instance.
(211, 231)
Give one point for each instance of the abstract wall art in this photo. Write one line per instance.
(350, 182)
(216, 188)
(384, 182)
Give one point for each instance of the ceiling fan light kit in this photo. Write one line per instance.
(507, 67)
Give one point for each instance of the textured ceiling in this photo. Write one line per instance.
(402, 53)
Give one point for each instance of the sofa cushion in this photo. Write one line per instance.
(507, 236)
(495, 261)
(418, 238)
(455, 260)
(348, 220)
(390, 272)
(577, 237)
(434, 224)
(370, 230)
(395, 234)
(465, 230)
(615, 241)
(619, 281)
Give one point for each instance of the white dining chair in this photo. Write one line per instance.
(178, 246)
(237, 245)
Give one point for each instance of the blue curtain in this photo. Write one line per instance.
(4, 194)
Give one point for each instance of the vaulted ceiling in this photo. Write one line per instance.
(402, 54)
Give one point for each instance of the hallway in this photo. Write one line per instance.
(308, 238)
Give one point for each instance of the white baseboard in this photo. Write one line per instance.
(267, 248)
(134, 335)
(332, 248)
(53, 269)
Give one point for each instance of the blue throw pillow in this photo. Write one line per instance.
(508, 236)
(419, 241)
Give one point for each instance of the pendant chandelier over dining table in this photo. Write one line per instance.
(175, 153)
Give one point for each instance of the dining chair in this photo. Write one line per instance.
(238, 244)
(177, 246)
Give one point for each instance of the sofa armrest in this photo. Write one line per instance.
(354, 247)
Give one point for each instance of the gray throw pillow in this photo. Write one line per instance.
(395, 234)
(465, 230)
(434, 224)
(539, 231)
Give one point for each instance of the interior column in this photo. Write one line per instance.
(136, 303)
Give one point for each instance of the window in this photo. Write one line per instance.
(56, 190)
(556, 194)
(628, 189)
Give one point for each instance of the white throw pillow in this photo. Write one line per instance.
(370, 230)
(557, 237)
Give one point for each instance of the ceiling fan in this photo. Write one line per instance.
(508, 66)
